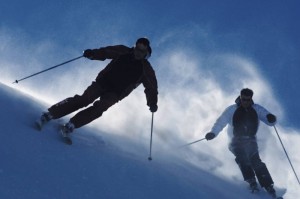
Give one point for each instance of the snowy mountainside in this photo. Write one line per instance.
(38, 165)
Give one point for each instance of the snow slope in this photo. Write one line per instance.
(38, 165)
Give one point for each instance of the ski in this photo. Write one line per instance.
(38, 125)
(45, 118)
(273, 195)
(256, 190)
(67, 140)
(65, 137)
(277, 197)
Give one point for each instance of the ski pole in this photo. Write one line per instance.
(286, 154)
(150, 158)
(17, 81)
(192, 143)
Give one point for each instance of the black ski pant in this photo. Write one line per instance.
(71, 104)
(245, 150)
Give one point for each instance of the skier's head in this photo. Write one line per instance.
(246, 97)
(142, 48)
(246, 92)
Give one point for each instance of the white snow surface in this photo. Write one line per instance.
(99, 164)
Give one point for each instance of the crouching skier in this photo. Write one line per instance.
(128, 69)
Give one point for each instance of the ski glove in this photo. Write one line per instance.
(271, 118)
(153, 108)
(210, 136)
(88, 54)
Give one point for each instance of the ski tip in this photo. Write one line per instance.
(68, 141)
(37, 126)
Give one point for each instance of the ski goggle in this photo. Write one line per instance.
(143, 51)
(246, 99)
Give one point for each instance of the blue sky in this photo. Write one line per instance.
(265, 33)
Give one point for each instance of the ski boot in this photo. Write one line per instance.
(45, 117)
(253, 186)
(65, 132)
(271, 191)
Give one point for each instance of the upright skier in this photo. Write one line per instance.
(243, 119)
(128, 69)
